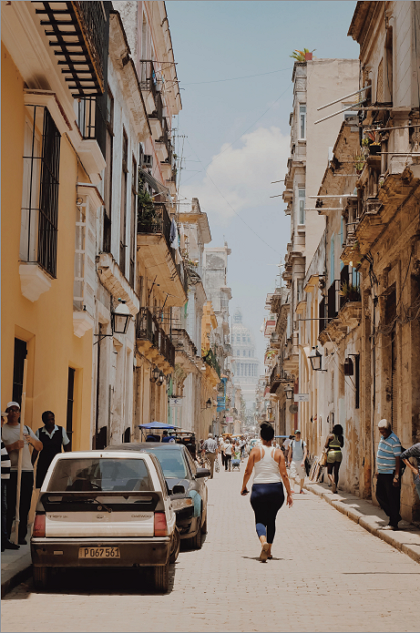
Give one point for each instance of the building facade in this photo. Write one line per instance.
(246, 365)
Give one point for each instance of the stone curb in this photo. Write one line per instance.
(406, 542)
(11, 580)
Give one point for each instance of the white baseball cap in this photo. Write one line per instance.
(12, 404)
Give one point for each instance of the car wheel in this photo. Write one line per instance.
(204, 526)
(161, 578)
(196, 542)
(176, 546)
(41, 577)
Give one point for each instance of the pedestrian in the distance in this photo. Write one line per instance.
(267, 490)
(53, 437)
(388, 485)
(5, 480)
(286, 446)
(13, 443)
(165, 436)
(210, 449)
(334, 444)
(222, 449)
(413, 451)
(297, 456)
(228, 455)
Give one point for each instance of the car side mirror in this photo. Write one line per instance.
(178, 490)
(203, 472)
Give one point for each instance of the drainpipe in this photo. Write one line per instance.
(97, 388)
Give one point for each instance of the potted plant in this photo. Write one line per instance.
(147, 213)
(349, 292)
(359, 162)
(373, 144)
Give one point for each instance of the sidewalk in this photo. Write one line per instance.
(16, 566)
(372, 518)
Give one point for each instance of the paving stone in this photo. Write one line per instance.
(328, 574)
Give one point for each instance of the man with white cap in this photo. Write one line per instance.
(388, 486)
(13, 443)
(210, 448)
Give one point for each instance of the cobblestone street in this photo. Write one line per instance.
(327, 574)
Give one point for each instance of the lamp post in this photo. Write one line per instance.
(316, 360)
(155, 374)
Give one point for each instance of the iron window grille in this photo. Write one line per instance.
(41, 163)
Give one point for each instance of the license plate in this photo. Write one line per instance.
(99, 552)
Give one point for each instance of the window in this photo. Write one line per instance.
(133, 221)
(301, 203)
(79, 258)
(302, 121)
(96, 473)
(41, 162)
(106, 247)
(123, 210)
(18, 367)
(70, 404)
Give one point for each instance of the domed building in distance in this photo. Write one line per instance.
(246, 365)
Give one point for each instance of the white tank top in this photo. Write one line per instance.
(266, 469)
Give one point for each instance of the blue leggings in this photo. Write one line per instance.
(266, 501)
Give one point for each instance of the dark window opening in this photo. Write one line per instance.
(40, 190)
(133, 222)
(126, 438)
(70, 405)
(18, 370)
(123, 210)
(109, 136)
(357, 381)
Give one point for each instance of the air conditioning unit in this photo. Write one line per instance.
(147, 161)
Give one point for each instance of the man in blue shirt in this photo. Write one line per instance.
(388, 486)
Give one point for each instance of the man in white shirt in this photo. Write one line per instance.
(228, 455)
(297, 456)
(210, 448)
(13, 444)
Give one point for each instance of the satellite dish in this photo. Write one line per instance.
(294, 408)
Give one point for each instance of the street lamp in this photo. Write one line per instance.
(161, 379)
(316, 360)
(155, 374)
(120, 318)
(289, 393)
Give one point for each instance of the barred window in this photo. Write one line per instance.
(41, 162)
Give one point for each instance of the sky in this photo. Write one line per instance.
(234, 68)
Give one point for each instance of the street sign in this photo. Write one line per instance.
(301, 397)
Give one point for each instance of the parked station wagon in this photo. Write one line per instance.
(104, 509)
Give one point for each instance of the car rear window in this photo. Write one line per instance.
(97, 473)
(172, 462)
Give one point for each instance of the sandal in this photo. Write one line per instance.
(264, 553)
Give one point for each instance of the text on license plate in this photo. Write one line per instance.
(99, 552)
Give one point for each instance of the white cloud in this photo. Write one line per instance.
(242, 175)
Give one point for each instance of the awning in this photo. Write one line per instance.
(155, 184)
(157, 425)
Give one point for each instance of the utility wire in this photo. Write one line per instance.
(231, 144)
(215, 81)
(234, 210)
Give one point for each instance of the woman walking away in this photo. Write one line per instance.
(267, 491)
(334, 444)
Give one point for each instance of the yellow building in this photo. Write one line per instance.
(44, 165)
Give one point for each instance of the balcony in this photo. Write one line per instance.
(370, 224)
(342, 308)
(148, 85)
(211, 360)
(153, 342)
(79, 34)
(153, 237)
(156, 118)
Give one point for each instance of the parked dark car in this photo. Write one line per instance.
(186, 485)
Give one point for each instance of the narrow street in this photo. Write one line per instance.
(327, 574)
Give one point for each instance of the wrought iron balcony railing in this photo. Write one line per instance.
(148, 329)
(148, 79)
(79, 34)
(211, 360)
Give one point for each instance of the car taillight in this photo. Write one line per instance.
(39, 525)
(161, 528)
